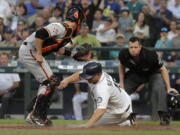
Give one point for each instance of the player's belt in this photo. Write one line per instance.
(25, 43)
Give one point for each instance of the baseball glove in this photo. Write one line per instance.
(80, 53)
(173, 100)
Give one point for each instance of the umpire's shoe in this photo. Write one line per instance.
(164, 118)
(38, 122)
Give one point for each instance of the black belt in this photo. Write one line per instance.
(25, 43)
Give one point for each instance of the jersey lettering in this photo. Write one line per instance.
(109, 82)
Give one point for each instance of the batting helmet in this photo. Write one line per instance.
(91, 69)
(173, 100)
(75, 14)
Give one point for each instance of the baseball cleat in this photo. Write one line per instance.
(38, 122)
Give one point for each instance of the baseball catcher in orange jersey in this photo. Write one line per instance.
(55, 37)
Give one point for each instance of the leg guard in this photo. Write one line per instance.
(40, 104)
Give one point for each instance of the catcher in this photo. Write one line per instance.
(55, 37)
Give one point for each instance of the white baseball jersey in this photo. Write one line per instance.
(7, 80)
(55, 30)
(27, 52)
(108, 95)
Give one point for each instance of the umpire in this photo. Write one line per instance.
(144, 66)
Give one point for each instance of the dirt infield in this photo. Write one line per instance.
(110, 128)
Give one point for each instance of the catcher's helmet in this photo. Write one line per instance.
(75, 14)
(173, 100)
(91, 69)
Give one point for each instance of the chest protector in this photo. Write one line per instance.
(52, 44)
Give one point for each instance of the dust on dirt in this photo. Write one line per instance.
(109, 128)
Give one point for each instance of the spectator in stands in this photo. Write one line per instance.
(8, 83)
(149, 13)
(9, 41)
(163, 42)
(145, 67)
(175, 8)
(46, 14)
(9, 38)
(120, 42)
(111, 7)
(122, 4)
(163, 15)
(61, 4)
(2, 28)
(86, 38)
(106, 35)
(126, 23)
(156, 4)
(172, 32)
(45, 3)
(21, 26)
(114, 25)
(5, 11)
(176, 42)
(21, 12)
(97, 20)
(141, 29)
(89, 9)
(57, 14)
(39, 23)
(135, 7)
(31, 6)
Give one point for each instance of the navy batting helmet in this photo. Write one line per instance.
(173, 100)
(91, 69)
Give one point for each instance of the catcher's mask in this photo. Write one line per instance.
(75, 14)
(173, 100)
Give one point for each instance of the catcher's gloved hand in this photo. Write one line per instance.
(173, 100)
(79, 53)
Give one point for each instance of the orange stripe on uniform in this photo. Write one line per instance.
(39, 65)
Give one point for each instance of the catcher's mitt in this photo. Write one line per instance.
(173, 100)
(79, 53)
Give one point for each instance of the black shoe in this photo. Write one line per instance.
(164, 118)
(132, 118)
(37, 122)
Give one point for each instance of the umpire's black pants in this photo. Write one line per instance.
(156, 85)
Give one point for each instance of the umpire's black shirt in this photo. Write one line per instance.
(146, 64)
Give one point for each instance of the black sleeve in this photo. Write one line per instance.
(42, 34)
(122, 56)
